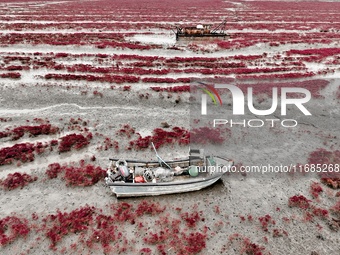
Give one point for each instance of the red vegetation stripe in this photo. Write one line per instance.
(18, 132)
(11, 75)
(165, 80)
(325, 52)
(88, 77)
(176, 89)
(23, 152)
(16, 180)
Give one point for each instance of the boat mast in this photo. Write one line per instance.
(160, 160)
(220, 28)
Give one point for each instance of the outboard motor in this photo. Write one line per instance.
(122, 168)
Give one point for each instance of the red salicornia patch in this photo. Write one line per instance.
(18, 132)
(175, 89)
(16, 180)
(12, 228)
(62, 223)
(299, 201)
(162, 137)
(21, 152)
(329, 161)
(206, 135)
(315, 189)
(81, 175)
(77, 141)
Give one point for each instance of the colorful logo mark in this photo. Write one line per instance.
(211, 92)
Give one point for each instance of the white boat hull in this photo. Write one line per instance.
(133, 190)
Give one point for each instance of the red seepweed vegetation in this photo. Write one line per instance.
(16, 180)
(194, 242)
(123, 212)
(12, 75)
(93, 78)
(257, 16)
(310, 210)
(320, 212)
(165, 80)
(148, 208)
(18, 132)
(244, 245)
(330, 161)
(266, 221)
(61, 224)
(145, 251)
(126, 130)
(315, 189)
(279, 232)
(175, 89)
(12, 228)
(93, 227)
(85, 175)
(82, 175)
(290, 64)
(170, 235)
(161, 137)
(335, 209)
(205, 135)
(105, 233)
(322, 52)
(299, 201)
(126, 88)
(22, 152)
(191, 219)
(77, 141)
(53, 170)
(109, 143)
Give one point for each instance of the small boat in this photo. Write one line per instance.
(201, 30)
(134, 178)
